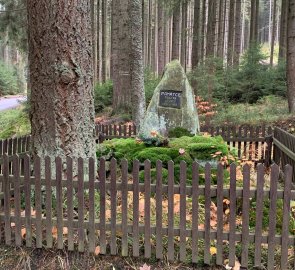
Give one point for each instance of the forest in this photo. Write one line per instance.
(147, 134)
(234, 53)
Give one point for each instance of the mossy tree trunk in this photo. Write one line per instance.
(61, 68)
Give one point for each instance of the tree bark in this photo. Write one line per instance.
(283, 30)
(237, 33)
(184, 30)
(203, 30)
(161, 46)
(136, 52)
(61, 68)
(176, 32)
(104, 40)
(210, 38)
(252, 21)
(121, 58)
(221, 28)
(291, 56)
(273, 31)
(196, 35)
(231, 25)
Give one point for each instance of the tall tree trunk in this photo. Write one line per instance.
(221, 24)
(237, 33)
(94, 38)
(121, 59)
(184, 35)
(176, 32)
(196, 35)
(203, 29)
(291, 56)
(61, 68)
(256, 33)
(211, 28)
(273, 31)
(253, 22)
(231, 25)
(98, 69)
(136, 66)
(283, 30)
(161, 45)
(104, 40)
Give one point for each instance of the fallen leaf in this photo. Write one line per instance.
(65, 230)
(145, 267)
(213, 250)
(54, 232)
(23, 232)
(226, 211)
(97, 250)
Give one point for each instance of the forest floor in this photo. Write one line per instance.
(41, 259)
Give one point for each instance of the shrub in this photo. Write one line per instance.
(154, 176)
(103, 94)
(8, 80)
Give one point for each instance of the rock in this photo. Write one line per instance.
(172, 105)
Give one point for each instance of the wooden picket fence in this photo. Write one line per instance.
(284, 148)
(109, 208)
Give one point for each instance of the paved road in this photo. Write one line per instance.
(11, 102)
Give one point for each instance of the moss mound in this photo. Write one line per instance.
(188, 149)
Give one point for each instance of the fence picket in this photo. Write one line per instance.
(272, 215)
(124, 208)
(48, 191)
(207, 256)
(28, 213)
(182, 223)
(195, 211)
(102, 205)
(113, 206)
(170, 211)
(81, 234)
(245, 216)
(135, 234)
(17, 201)
(219, 257)
(6, 189)
(70, 208)
(159, 211)
(38, 203)
(286, 217)
(92, 174)
(59, 207)
(147, 209)
(259, 215)
(232, 215)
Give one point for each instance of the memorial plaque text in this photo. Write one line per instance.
(170, 99)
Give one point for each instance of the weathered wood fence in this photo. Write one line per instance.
(284, 148)
(113, 210)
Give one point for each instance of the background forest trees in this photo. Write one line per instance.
(233, 50)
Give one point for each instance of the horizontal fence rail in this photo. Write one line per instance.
(88, 206)
(284, 148)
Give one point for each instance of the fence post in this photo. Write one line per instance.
(269, 142)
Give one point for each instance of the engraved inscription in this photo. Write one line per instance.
(170, 99)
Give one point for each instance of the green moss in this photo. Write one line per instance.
(179, 132)
(154, 176)
(120, 148)
(157, 153)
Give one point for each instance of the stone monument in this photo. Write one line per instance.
(172, 105)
